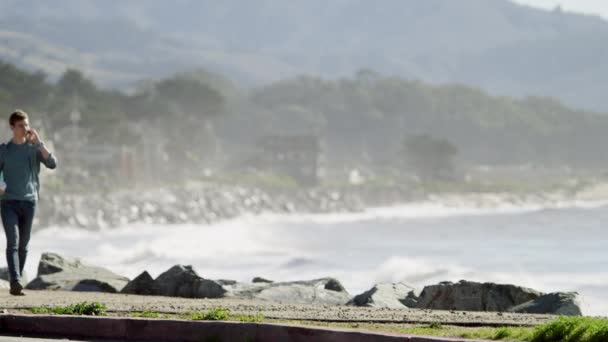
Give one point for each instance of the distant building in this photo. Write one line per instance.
(80, 158)
(297, 156)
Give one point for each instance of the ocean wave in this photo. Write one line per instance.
(437, 208)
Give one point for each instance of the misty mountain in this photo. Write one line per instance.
(494, 44)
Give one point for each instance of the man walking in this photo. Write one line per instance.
(20, 160)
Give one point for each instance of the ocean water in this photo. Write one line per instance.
(557, 248)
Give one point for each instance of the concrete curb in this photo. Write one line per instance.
(141, 329)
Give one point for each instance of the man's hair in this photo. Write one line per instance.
(17, 116)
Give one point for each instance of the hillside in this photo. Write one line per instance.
(502, 47)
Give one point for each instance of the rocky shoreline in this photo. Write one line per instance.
(200, 203)
(207, 203)
(56, 272)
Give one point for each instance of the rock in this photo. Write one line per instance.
(183, 281)
(61, 273)
(326, 291)
(385, 295)
(558, 303)
(225, 281)
(4, 275)
(52, 263)
(143, 284)
(472, 296)
(94, 285)
(334, 285)
(261, 280)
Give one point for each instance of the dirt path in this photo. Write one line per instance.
(119, 304)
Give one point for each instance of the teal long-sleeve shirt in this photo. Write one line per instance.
(20, 167)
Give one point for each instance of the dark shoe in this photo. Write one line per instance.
(16, 292)
(16, 289)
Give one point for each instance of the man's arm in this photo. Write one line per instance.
(46, 157)
(2, 154)
(42, 153)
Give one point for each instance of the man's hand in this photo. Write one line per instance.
(34, 137)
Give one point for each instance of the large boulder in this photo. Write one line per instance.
(54, 263)
(183, 281)
(56, 272)
(386, 295)
(143, 284)
(326, 291)
(472, 296)
(558, 303)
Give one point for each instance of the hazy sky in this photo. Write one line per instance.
(585, 6)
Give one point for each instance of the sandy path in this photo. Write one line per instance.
(120, 303)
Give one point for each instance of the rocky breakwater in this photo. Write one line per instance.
(206, 203)
(183, 281)
(470, 296)
(202, 204)
(56, 272)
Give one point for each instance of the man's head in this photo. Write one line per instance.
(19, 123)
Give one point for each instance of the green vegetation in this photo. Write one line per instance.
(369, 118)
(177, 127)
(429, 157)
(178, 106)
(248, 318)
(223, 314)
(435, 325)
(99, 309)
(433, 329)
(147, 313)
(214, 314)
(562, 329)
(572, 329)
(360, 117)
(83, 308)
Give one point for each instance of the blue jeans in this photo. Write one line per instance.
(17, 218)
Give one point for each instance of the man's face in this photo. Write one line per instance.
(20, 128)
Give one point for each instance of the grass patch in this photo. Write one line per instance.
(433, 329)
(248, 318)
(572, 329)
(147, 313)
(214, 314)
(435, 325)
(562, 329)
(83, 308)
(222, 314)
